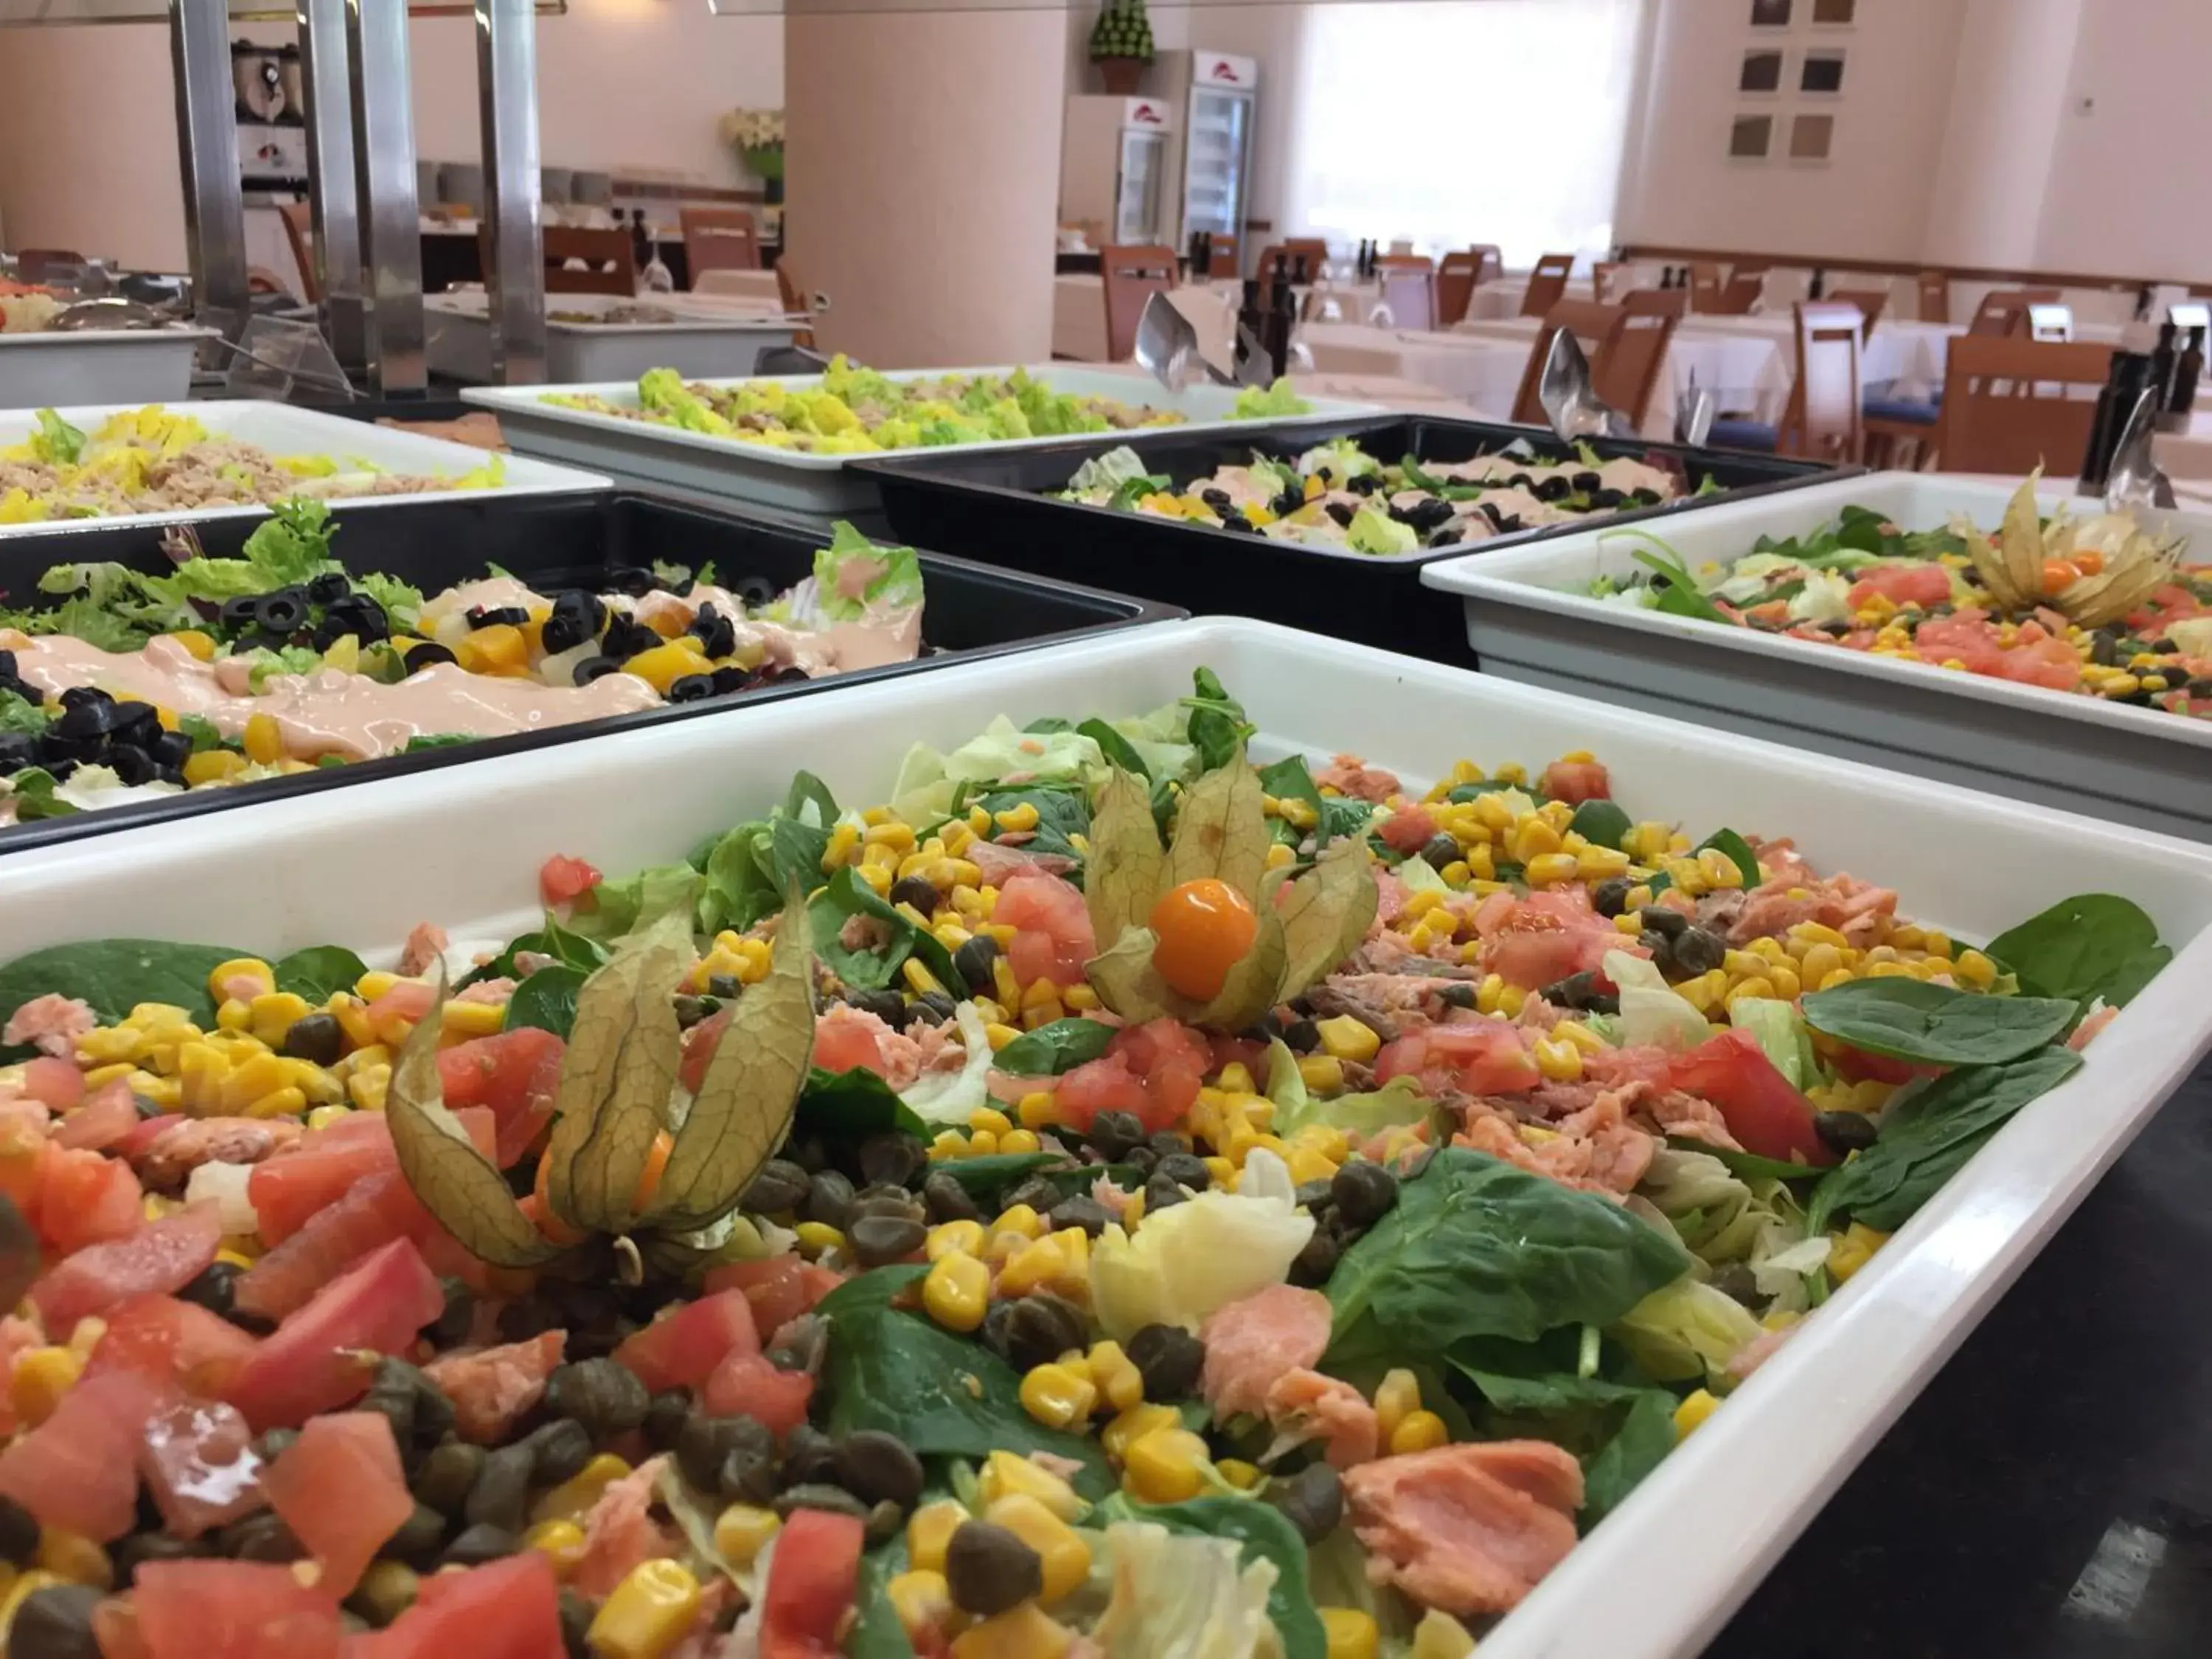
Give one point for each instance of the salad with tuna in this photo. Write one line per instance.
(118, 685)
(2100, 607)
(153, 460)
(1104, 1196)
(1336, 495)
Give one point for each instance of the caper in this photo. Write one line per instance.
(808, 1152)
(131, 1553)
(419, 1534)
(55, 1622)
(416, 1408)
(705, 1442)
(575, 1623)
(748, 1475)
(1302, 1037)
(1317, 1197)
(809, 1457)
(1168, 1142)
(479, 1543)
(946, 1199)
(801, 1345)
(1364, 1192)
(1163, 1192)
(1736, 1280)
(19, 1533)
(559, 1451)
(1079, 1209)
(818, 1495)
(459, 1315)
(1312, 1500)
(1457, 993)
(935, 1007)
(779, 1186)
(275, 1442)
(1610, 897)
(317, 1038)
(891, 1158)
(1036, 1192)
(829, 1196)
(1844, 1133)
(447, 1476)
(1665, 922)
(1185, 1169)
(606, 1397)
(691, 1011)
(664, 1418)
(973, 960)
(885, 1522)
(1698, 951)
(1440, 850)
(1170, 1360)
(1314, 1263)
(1116, 1134)
(260, 1538)
(211, 1287)
(989, 1569)
(386, 1590)
(878, 1240)
(501, 1496)
(1034, 1329)
(917, 891)
(878, 1467)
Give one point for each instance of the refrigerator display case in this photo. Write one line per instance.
(1218, 99)
(1114, 176)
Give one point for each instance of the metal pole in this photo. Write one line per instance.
(514, 279)
(207, 147)
(384, 170)
(331, 182)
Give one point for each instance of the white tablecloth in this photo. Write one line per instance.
(740, 285)
(1501, 299)
(1748, 370)
(2187, 455)
(1078, 317)
(1484, 373)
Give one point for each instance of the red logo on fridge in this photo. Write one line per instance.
(1223, 72)
(1146, 115)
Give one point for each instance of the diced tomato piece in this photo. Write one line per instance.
(24, 1153)
(1475, 1059)
(505, 1609)
(54, 1083)
(172, 1343)
(680, 1349)
(115, 1630)
(165, 1256)
(747, 1384)
(310, 1363)
(1408, 829)
(1857, 1065)
(1970, 637)
(198, 1460)
(2048, 663)
(102, 1119)
(781, 1288)
(1923, 584)
(233, 1610)
(85, 1197)
(492, 1388)
(699, 1044)
(1154, 1070)
(1053, 939)
(811, 1578)
(373, 1212)
(1576, 781)
(289, 1190)
(516, 1073)
(79, 1468)
(1765, 1114)
(147, 1132)
(845, 1041)
(561, 879)
(340, 1489)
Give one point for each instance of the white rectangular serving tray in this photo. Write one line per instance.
(283, 430)
(1527, 620)
(818, 485)
(462, 847)
(710, 338)
(99, 366)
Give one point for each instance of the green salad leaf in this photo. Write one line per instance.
(1051, 1050)
(854, 1103)
(883, 938)
(2091, 945)
(1936, 1024)
(1262, 1532)
(319, 972)
(887, 578)
(546, 1001)
(112, 976)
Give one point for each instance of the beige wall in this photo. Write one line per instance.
(1987, 204)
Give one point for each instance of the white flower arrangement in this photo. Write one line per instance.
(752, 129)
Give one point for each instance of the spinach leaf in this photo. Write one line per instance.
(319, 972)
(986, 1177)
(32, 793)
(112, 975)
(1050, 726)
(1602, 823)
(1936, 1024)
(569, 949)
(1739, 854)
(1344, 815)
(1748, 1166)
(1051, 1050)
(1467, 792)
(1217, 728)
(1641, 1443)
(1289, 779)
(855, 1103)
(22, 714)
(547, 1000)
(1676, 590)
(1262, 1532)
(1620, 1426)
(747, 869)
(1063, 810)
(1928, 1135)
(1476, 1247)
(1117, 749)
(427, 740)
(879, 1633)
(871, 969)
(2093, 945)
(944, 1395)
(1130, 491)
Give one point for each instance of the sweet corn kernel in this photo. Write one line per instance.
(1006, 1475)
(1322, 1074)
(1420, 1431)
(929, 1530)
(1854, 1249)
(74, 1559)
(464, 1020)
(1352, 1634)
(573, 1498)
(956, 1293)
(742, 1531)
(1057, 1396)
(42, 1376)
(1117, 1376)
(1240, 1475)
(647, 1613)
(561, 1542)
(950, 1236)
(815, 1237)
(1440, 1635)
(923, 1601)
(1022, 1219)
(1166, 1466)
(1551, 869)
(1133, 1425)
(1559, 1061)
(1027, 1631)
(1344, 1037)
(987, 1118)
(1397, 1397)
(1065, 1557)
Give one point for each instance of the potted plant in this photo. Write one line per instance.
(758, 136)
(1122, 45)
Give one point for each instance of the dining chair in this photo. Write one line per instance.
(1739, 295)
(1934, 297)
(1220, 253)
(1284, 256)
(605, 263)
(2050, 322)
(1491, 262)
(1755, 268)
(1592, 324)
(1458, 275)
(1548, 284)
(1625, 370)
(1869, 301)
(793, 294)
(1822, 418)
(1132, 275)
(1604, 273)
(718, 239)
(1657, 301)
(1408, 285)
(2004, 310)
(1704, 286)
(300, 232)
(2011, 405)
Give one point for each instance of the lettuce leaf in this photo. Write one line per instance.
(1278, 400)
(896, 585)
(1373, 530)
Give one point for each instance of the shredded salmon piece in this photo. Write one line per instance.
(425, 948)
(1471, 1527)
(619, 1533)
(493, 1389)
(51, 1023)
(1307, 1406)
(1254, 1340)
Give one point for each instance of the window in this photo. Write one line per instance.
(1833, 12)
(1762, 72)
(1809, 136)
(1770, 14)
(1400, 130)
(1750, 137)
(1823, 71)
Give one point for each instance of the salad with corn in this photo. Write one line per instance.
(1105, 1197)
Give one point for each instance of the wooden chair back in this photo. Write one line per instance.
(1606, 275)
(793, 294)
(718, 239)
(1590, 323)
(1132, 275)
(299, 231)
(1934, 297)
(1754, 268)
(1704, 286)
(1220, 253)
(1824, 410)
(1458, 275)
(1738, 296)
(1657, 301)
(1625, 370)
(39, 264)
(1284, 256)
(2010, 404)
(1548, 284)
(2004, 310)
(1869, 301)
(1408, 285)
(606, 263)
(1490, 262)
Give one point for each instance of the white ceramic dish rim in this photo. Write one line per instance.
(687, 319)
(100, 337)
(1661, 1575)
(1518, 577)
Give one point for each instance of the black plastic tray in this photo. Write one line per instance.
(970, 610)
(993, 508)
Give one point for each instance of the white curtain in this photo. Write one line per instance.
(1451, 122)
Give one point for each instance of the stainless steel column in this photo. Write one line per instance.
(207, 146)
(507, 70)
(331, 182)
(384, 170)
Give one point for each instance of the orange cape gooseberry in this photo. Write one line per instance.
(1204, 928)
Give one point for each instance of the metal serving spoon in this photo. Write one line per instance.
(1167, 347)
(1574, 409)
